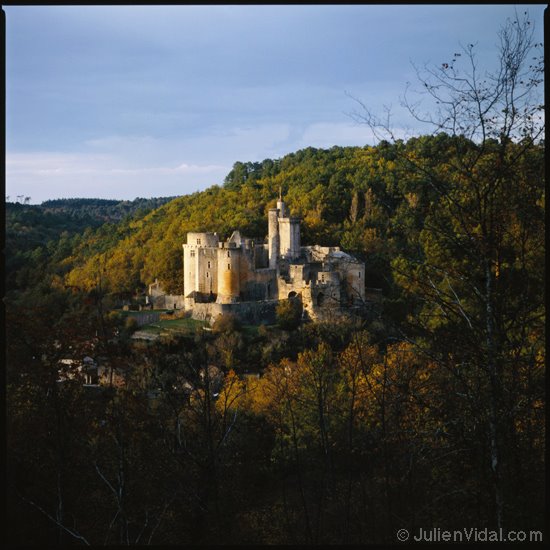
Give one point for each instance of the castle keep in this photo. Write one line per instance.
(248, 278)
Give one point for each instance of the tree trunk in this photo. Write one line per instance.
(494, 395)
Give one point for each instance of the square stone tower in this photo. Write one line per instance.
(283, 234)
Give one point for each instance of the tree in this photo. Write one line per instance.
(289, 313)
(226, 323)
(482, 235)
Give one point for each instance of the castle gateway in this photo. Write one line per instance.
(248, 278)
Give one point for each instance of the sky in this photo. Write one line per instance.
(119, 102)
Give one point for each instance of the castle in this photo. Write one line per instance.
(248, 278)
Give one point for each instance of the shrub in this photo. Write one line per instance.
(289, 314)
(227, 322)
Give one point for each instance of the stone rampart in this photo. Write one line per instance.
(146, 317)
(256, 313)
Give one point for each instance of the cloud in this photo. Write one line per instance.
(215, 145)
(43, 175)
(125, 167)
(118, 166)
(45, 163)
(328, 134)
(165, 170)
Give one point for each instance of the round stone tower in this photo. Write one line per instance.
(273, 238)
(229, 264)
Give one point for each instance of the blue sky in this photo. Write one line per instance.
(149, 101)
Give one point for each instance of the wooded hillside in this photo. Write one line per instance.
(431, 415)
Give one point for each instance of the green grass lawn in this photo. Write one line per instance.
(184, 325)
(132, 313)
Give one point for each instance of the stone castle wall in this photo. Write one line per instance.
(247, 312)
(167, 301)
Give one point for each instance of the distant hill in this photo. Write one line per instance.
(28, 224)
(98, 211)
(38, 234)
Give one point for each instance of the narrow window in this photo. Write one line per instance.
(208, 265)
(229, 267)
(359, 274)
(207, 274)
(192, 253)
(198, 241)
(228, 254)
